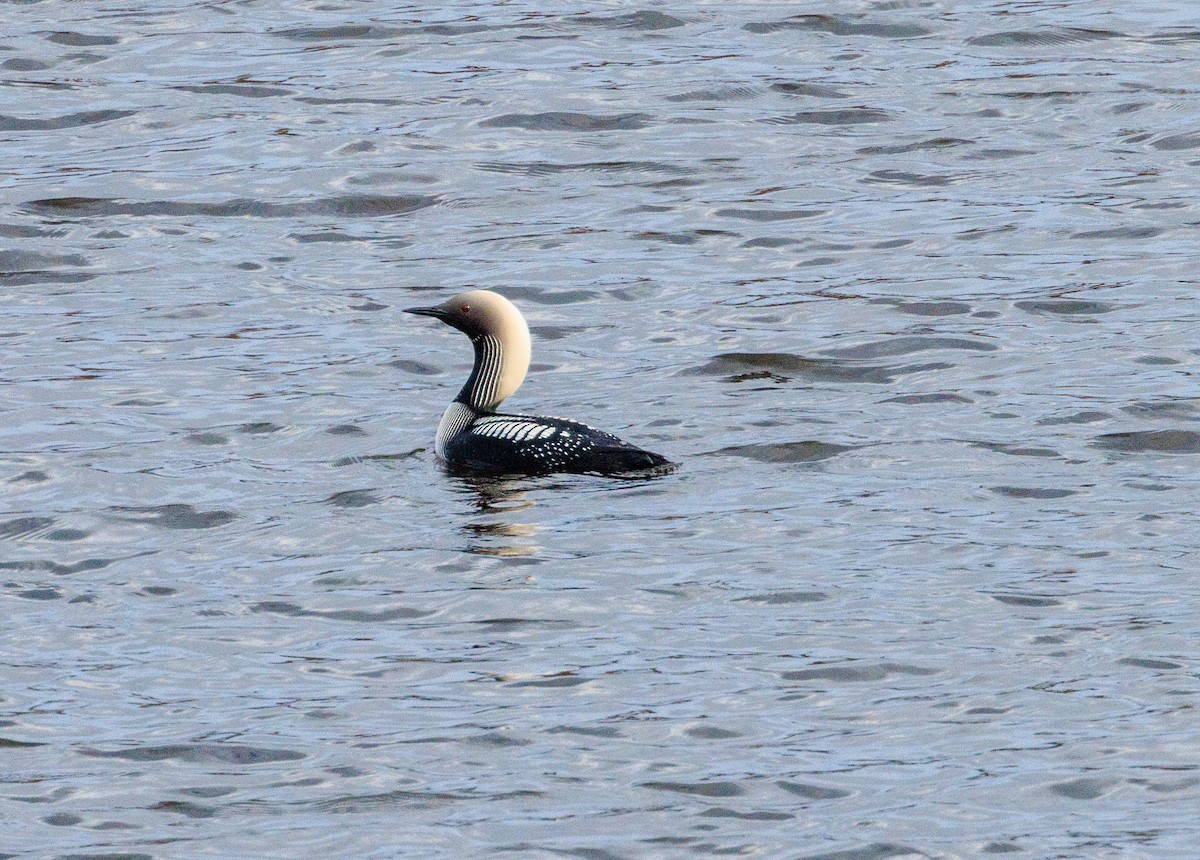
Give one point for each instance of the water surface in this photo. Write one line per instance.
(908, 289)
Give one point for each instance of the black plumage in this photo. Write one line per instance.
(557, 445)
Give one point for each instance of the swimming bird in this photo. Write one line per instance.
(475, 437)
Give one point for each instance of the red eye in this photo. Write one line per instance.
(465, 309)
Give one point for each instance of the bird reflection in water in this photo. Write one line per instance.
(497, 501)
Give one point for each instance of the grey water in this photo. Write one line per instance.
(908, 289)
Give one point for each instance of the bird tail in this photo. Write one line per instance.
(631, 460)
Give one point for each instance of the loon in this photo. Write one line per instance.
(473, 436)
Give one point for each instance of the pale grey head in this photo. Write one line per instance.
(501, 340)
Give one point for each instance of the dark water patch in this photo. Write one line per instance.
(1066, 307)
(1085, 417)
(9, 743)
(848, 116)
(1121, 233)
(377, 458)
(353, 499)
(99, 856)
(1156, 360)
(374, 32)
(349, 205)
(1048, 37)
(770, 242)
(1162, 441)
(81, 58)
(327, 236)
(702, 789)
(1172, 409)
(511, 625)
(33, 476)
(855, 673)
(1147, 663)
(200, 754)
(810, 791)
(909, 344)
(917, 399)
(352, 100)
(557, 332)
(207, 438)
(71, 120)
(800, 88)
(686, 237)
(711, 733)
(397, 799)
(715, 94)
(1016, 450)
(786, 452)
(769, 215)
(552, 296)
(725, 812)
(563, 680)
(66, 535)
(983, 233)
(1174, 36)
(997, 154)
(1033, 492)
(643, 19)
(1172, 786)
(840, 25)
(904, 177)
(58, 568)
(185, 808)
(416, 368)
(569, 121)
(549, 168)
(345, 31)
(933, 309)
(932, 143)
(345, 430)
(80, 40)
(25, 231)
(1028, 95)
(1086, 788)
(178, 516)
(22, 279)
(259, 428)
(279, 607)
(1026, 600)
(357, 148)
(40, 594)
(21, 64)
(248, 91)
(23, 526)
(779, 598)
(495, 740)
(1188, 140)
(681, 182)
(874, 851)
(208, 791)
(589, 731)
(783, 366)
(457, 29)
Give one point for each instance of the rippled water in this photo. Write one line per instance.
(908, 288)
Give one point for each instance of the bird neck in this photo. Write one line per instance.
(501, 361)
